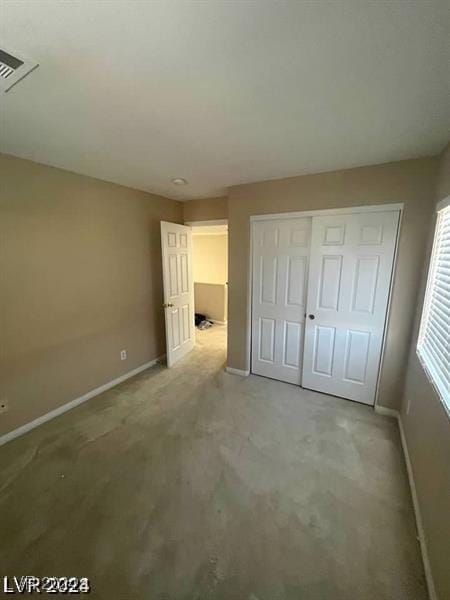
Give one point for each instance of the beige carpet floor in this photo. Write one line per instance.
(193, 484)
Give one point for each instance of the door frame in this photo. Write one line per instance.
(211, 222)
(399, 206)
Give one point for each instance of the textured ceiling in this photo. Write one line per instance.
(223, 93)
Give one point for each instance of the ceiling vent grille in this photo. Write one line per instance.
(13, 69)
(5, 71)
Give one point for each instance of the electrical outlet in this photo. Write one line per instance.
(4, 406)
(123, 355)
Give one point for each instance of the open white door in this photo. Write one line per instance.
(349, 279)
(176, 244)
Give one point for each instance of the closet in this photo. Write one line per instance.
(320, 290)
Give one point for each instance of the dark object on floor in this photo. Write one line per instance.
(201, 321)
(199, 318)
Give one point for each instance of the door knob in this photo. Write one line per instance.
(311, 317)
(167, 305)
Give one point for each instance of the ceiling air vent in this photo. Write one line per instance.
(13, 68)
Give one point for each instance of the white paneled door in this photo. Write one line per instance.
(176, 243)
(348, 287)
(280, 271)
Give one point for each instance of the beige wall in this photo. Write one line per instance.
(210, 258)
(410, 182)
(80, 266)
(211, 301)
(427, 431)
(206, 209)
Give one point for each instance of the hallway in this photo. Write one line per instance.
(194, 484)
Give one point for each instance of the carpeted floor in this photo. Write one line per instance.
(193, 484)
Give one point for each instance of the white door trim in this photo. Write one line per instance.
(211, 222)
(398, 206)
(330, 211)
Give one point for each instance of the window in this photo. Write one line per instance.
(434, 336)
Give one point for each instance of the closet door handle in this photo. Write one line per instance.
(312, 317)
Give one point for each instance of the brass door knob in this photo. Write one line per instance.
(167, 305)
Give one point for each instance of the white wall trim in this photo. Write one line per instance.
(209, 223)
(15, 433)
(387, 412)
(330, 211)
(237, 372)
(419, 522)
(412, 485)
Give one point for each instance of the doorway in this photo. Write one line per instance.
(320, 291)
(195, 273)
(210, 274)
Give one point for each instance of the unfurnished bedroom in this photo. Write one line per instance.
(225, 299)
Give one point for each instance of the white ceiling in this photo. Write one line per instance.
(225, 92)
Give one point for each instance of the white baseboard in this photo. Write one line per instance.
(387, 412)
(237, 372)
(419, 522)
(11, 435)
(7, 437)
(390, 412)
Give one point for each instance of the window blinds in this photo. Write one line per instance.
(434, 336)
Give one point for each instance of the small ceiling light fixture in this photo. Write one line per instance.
(179, 181)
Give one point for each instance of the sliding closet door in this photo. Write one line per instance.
(280, 270)
(348, 287)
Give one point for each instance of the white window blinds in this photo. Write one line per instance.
(434, 336)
